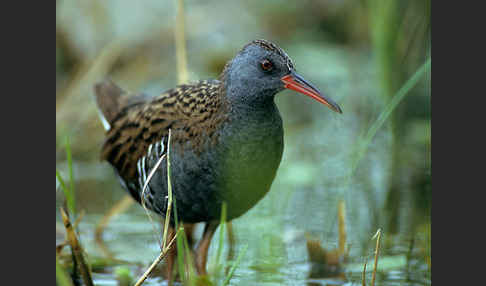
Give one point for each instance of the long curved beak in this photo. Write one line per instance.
(296, 82)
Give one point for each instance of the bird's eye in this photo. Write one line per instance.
(267, 65)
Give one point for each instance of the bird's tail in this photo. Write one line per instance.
(108, 98)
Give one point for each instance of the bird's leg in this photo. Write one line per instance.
(189, 234)
(203, 247)
(189, 230)
(231, 240)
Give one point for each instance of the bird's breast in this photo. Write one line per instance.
(251, 151)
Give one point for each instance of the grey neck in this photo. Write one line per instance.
(245, 97)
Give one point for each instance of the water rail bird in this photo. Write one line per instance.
(226, 138)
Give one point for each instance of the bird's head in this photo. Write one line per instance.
(261, 70)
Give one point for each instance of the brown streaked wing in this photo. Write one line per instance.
(191, 111)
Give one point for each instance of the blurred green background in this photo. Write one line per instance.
(363, 54)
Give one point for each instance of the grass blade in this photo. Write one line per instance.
(61, 181)
(363, 275)
(233, 268)
(180, 247)
(397, 98)
(169, 195)
(161, 256)
(62, 278)
(67, 193)
(180, 43)
(76, 249)
(184, 256)
(72, 201)
(342, 250)
(377, 253)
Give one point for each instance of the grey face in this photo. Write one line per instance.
(255, 73)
